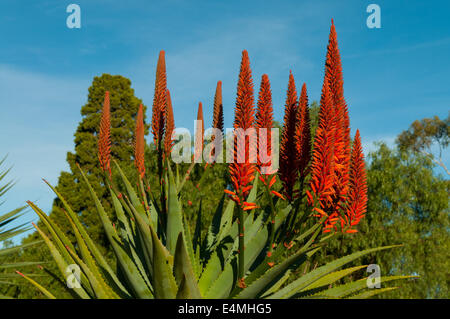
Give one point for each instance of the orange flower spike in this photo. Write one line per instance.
(342, 150)
(139, 142)
(303, 134)
(288, 152)
(104, 137)
(357, 197)
(322, 167)
(159, 101)
(264, 119)
(199, 134)
(243, 173)
(170, 126)
(218, 108)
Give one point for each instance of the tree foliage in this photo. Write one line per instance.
(124, 107)
(407, 205)
(425, 134)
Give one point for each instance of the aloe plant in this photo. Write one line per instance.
(260, 234)
(171, 263)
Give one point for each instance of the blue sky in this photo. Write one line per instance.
(393, 75)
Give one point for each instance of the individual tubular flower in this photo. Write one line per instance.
(159, 102)
(322, 167)
(242, 174)
(139, 142)
(333, 74)
(170, 126)
(104, 137)
(288, 152)
(303, 134)
(357, 196)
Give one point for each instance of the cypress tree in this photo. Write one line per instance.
(124, 106)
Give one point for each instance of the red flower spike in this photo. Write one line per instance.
(159, 102)
(288, 152)
(198, 150)
(104, 137)
(322, 167)
(218, 108)
(139, 142)
(357, 196)
(264, 120)
(217, 122)
(333, 74)
(243, 173)
(303, 134)
(170, 126)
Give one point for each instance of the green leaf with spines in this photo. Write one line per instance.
(174, 214)
(183, 270)
(164, 283)
(344, 290)
(309, 278)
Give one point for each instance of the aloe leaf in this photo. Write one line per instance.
(275, 287)
(183, 290)
(131, 193)
(91, 264)
(187, 238)
(182, 269)
(144, 238)
(333, 277)
(210, 273)
(164, 282)
(110, 233)
(223, 285)
(47, 293)
(309, 278)
(258, 286)
(215, 226)
(198, 229)
(131, 266)
(174, 214)
(344, 290)
(98, 285)
(226, 223)
(59, 238)
(372, 292)
(62, 264)
(216, 261)
(89, 242)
